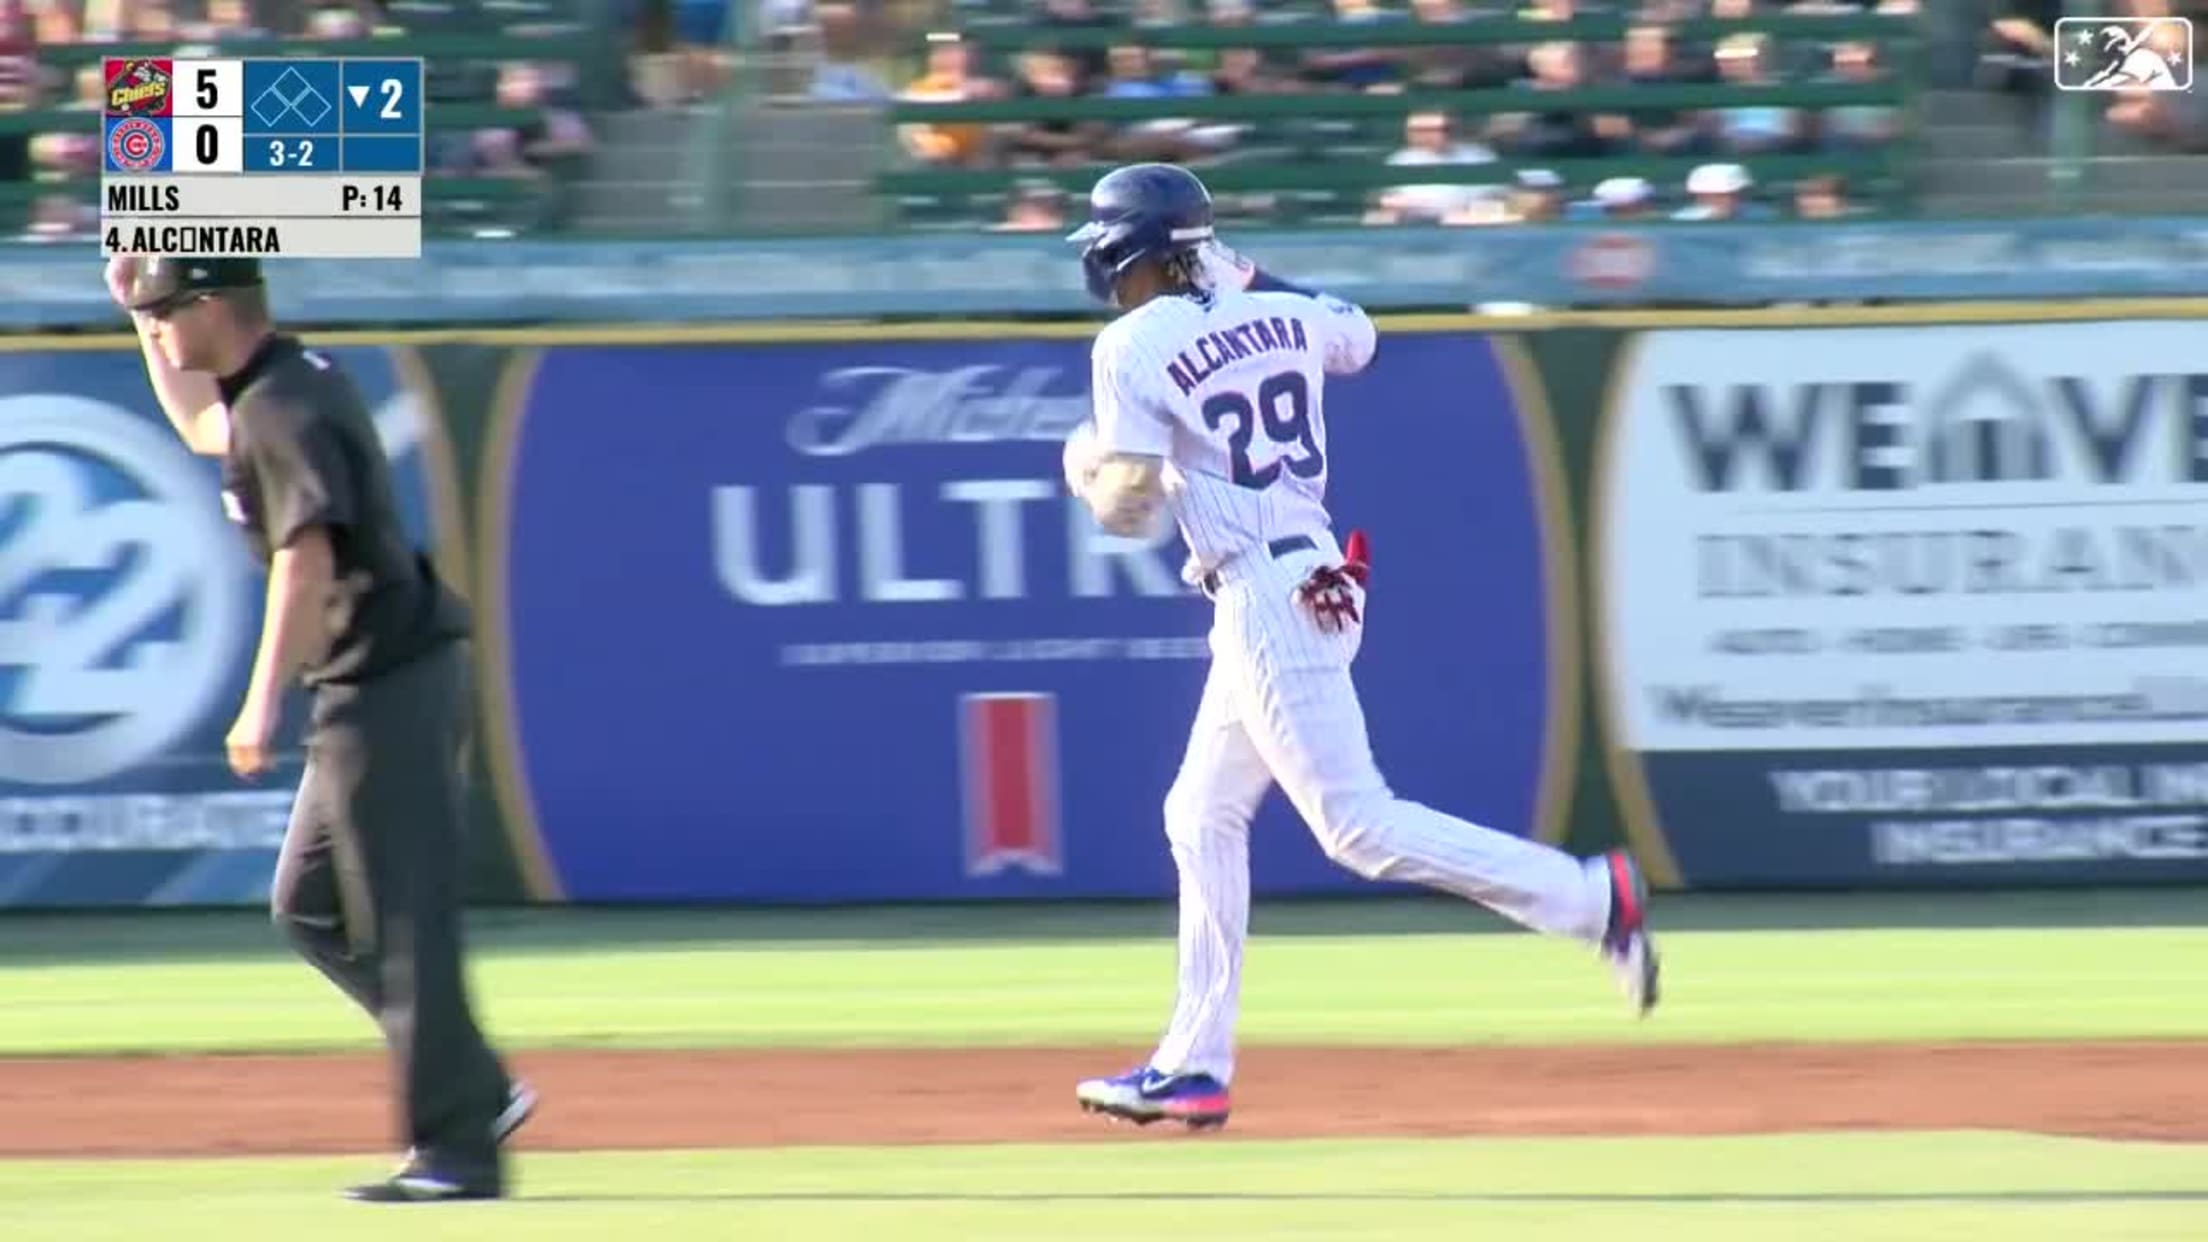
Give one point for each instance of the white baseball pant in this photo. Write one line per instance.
(1279, 705)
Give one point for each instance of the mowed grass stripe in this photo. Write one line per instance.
(1398, 988)
(1840, 1187)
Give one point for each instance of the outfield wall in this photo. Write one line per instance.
(803, 614)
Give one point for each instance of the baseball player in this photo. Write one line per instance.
(1209, 396)
(368, 881)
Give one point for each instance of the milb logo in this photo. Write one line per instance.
(2123, 54)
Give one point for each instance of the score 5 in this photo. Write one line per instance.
(205, 88)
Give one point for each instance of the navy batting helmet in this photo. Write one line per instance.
(1141, 211)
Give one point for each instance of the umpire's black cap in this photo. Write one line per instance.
(162, 283)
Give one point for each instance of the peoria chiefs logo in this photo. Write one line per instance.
(138, 87)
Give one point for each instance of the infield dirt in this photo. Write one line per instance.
(267, 1105)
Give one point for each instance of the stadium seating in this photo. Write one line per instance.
(1318, 152)
(789, 117)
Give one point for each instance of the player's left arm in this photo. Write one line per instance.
(1349, 335)
(1117, 464)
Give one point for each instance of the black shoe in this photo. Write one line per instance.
(521, 1105)
(420, 1184)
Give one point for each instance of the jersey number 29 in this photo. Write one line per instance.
(1283, 410)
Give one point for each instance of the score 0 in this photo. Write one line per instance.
(209, 109)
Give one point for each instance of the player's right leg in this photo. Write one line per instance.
(1302, 713)
(1207, 823)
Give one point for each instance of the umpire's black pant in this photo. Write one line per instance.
(368, 886)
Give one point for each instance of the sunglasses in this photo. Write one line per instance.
(170, 307)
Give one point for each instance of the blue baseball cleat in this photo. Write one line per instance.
(1142, 1096)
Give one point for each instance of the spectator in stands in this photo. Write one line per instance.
(70, 154)
(153, 21)
(1720, 192)
(1168, 15)
(1560, 134)
(1444, 66)
(1243, 71)
(546, 149)
(1823, 198)
(74, 151)
(1757, 129)
(1622, 198)
(782, 23)
(1079, 15)
(1034, 207)
(950, 78)
(1135, 75)
(2017, 53)
(1053, 75)
(2174, 120)
(1538, 197)
(22, 85)
(1651, 59)
(340, 23)
(226, 21)
(554, 133)
(1357, 69)
(1159, 14)
(1858, 127)
(1131, 73)
(840, 74)
(704, 23)
(1430, 139)
(54, 23)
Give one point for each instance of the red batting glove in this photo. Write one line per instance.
(1331, 590)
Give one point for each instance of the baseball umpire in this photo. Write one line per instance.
(368, 883)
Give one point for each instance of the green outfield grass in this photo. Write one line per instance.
(1915, 1188)
(1410, 972)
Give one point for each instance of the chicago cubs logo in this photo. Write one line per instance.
(119, 610)
(136, 145)
(138, 87)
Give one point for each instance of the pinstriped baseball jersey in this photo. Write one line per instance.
(1229, 389)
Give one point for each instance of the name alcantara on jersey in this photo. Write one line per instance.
(1214, 350)
(226, 240)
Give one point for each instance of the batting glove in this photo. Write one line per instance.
(1080, 458)
(1331, 591)
(1222, 268)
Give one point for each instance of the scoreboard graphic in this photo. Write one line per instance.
(318, 159)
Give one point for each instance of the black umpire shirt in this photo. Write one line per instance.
(303, 452)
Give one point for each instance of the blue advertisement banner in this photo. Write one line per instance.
(129, 612)
(819, 622)
(1891, 607)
